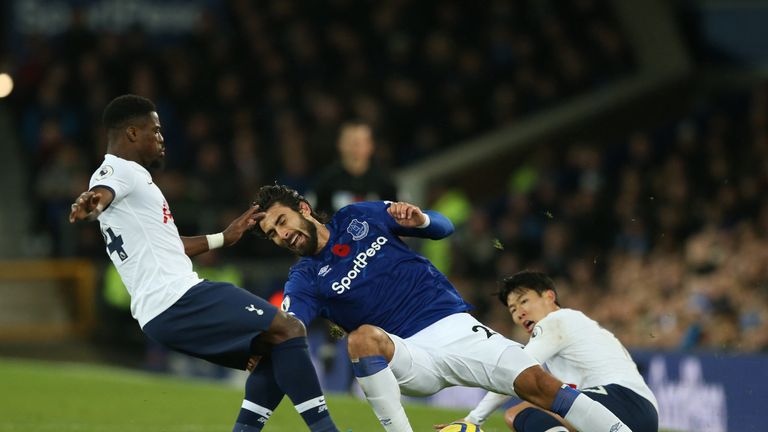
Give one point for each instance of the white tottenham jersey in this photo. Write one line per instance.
(578, 351)
(142, 239)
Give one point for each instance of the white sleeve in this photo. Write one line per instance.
(118, 178)
(547, 338)
(486, 407)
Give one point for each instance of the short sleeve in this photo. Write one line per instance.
(118, 178)
(547, 338)
(299, 299)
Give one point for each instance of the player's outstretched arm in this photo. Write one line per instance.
(89, 205)
(231, 235)
(418, 223)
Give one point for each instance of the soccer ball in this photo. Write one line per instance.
(461, 426)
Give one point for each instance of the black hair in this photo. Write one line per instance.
(124, 108)
(526, 280)
(269, 195)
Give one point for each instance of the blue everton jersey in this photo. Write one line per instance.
(367, 275)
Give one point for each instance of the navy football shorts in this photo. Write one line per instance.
(215, 321)
(634, 410)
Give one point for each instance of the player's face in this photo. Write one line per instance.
(289, 229)
(529, 307)
(150, 141)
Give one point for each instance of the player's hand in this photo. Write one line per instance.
(439, 426)
(253, 361)
(87, 206)
(244, 223)
(406, 214)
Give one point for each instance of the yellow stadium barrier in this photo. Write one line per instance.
(46, 299)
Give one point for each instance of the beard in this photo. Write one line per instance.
(310, 246)
(157, 165)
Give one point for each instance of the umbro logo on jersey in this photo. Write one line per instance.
(324, 271)
(252, 308)
(358, 229)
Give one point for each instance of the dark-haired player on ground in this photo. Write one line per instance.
(408, 326)
(215, 321)
(575, 349)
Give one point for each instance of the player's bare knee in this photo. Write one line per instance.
(283, 328)
(368, 340)
(511, 413)
(509, 418)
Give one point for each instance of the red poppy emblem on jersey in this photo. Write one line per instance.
(341, 250)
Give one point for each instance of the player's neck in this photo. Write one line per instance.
(123, 152)
(356, 167)
(323, 235)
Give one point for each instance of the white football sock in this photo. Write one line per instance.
(588, 415)
(383, 394)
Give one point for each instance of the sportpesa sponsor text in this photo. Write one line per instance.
(360, 262)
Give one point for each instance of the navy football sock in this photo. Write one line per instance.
(262, 396)
(536, 420)
(296, 375)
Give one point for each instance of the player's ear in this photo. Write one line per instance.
(131, 133)
(304, 208)
(551, 296)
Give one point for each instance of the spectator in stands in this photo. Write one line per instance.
(356, 176)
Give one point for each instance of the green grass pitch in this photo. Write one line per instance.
(47, 397)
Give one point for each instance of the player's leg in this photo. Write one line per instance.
(537, 386)
(525, 417)
(294, 372)
(371, 350)
(262, 396)
(222, 323)
(634, 410)
(471, 354)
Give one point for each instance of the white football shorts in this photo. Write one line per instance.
(458, 350)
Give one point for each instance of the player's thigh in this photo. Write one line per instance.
(415, 370)
(493, 364)
(631, 408)
(463, 351)
(214, 321)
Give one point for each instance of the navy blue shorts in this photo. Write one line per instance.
(634, 410)
(215, 321)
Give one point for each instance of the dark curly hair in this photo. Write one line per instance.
(125, 108)
(526, 280)
(269, 195)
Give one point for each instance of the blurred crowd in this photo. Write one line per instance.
(662, 236)
(257, 93)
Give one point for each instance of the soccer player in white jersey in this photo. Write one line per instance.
(408, 327)
(215, 321)
(576, 350)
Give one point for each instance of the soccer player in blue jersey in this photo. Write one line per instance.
(408, 327)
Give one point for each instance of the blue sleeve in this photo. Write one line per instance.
(439, 227)
(299, 299)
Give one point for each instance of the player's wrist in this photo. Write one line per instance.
(215, 241)
(95, 213)
(426, 221)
